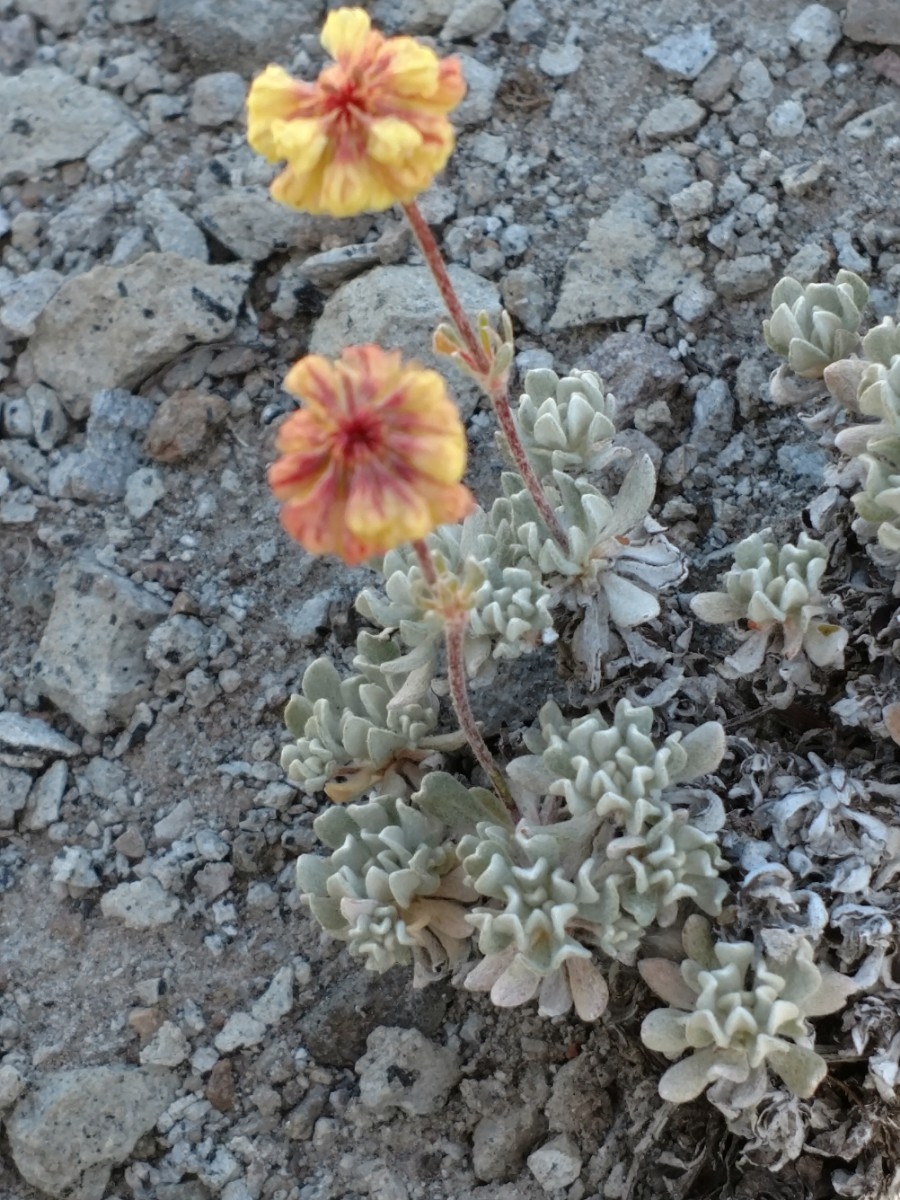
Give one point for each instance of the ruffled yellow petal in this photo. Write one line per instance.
(392, 140)
(345, 32)
(353, 187)
(299, 191)
(272, 96)
(414, 68)
(300, 142)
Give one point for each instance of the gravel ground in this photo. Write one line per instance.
(631, 180)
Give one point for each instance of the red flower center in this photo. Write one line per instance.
(358, 439)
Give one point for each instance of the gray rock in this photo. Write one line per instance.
(694, 201)
(882, 119)
(500, 1143)
(622, 269)
(90, 661)
(872, 21)
(18, 43)
(119, 142)
(172, 230)
(167, 1048)
(675, 118)
(174, 824)
(333, 267)
(334, 1030)
(143, 488)
(129, 12)
(482, 82)
(754, 81)
(74, 869)
(815, 32)
(47, 415)
(557, 1164)
(47, 117)
(848, 256)
(217, 99)
(402, 1069)
(84, 224)
(398, 307)
(712, 84)
(665, 174)
(238, 35)
(60, 16)
(177, 645)
(27, 298)
(637, 370)
(112, 449)
(252, 226)
(34, 734)
(525, 297)
(239, 1030)
(45, 798)
(523, 19)
(142, 904)
(277, 1000)
(684, 55)
(802, 177)
(736, 278)
(75, 1125)
(12, 1085)
(25, 463)
(558, 61)
(786, 120)
(470, 18)
(693, 302)
(113, 326)
(410, 16)
(713, 415)
(14, 788)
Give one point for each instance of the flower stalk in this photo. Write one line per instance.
(451, 606)
(476, 357)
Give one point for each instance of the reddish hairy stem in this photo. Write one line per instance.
(438, 269)
(426, 562)
(455, 631)
(496, 389)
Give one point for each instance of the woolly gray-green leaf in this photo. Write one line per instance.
(459, 807)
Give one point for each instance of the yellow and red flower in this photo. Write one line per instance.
(371, 131)
(373, 459)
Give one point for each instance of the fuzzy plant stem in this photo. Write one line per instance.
(496, 389)
(455, 634)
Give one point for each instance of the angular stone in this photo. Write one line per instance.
(60, 16)
(815, 31)
(27, 298)
(84, 1120)
(113, 326)
(398, 307)
(90, 661)
(99, 473)
(557, 1164)
(684, 55)
(402, 1069)
(622, 269)
(637, 370)
(31, 733)
(182, 424)
(47, 117)
(173, 231)
(142, 904)
(875, 21)
(45, 797)
(217, 99)
(252, 226)
(675, 118)
(237, 35)
(736, 278)
(501, 1141)
(14, 788)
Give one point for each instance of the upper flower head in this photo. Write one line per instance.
(372, 129)
(373, 459)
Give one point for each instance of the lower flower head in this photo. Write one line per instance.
(371, 131)
(373, 459)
